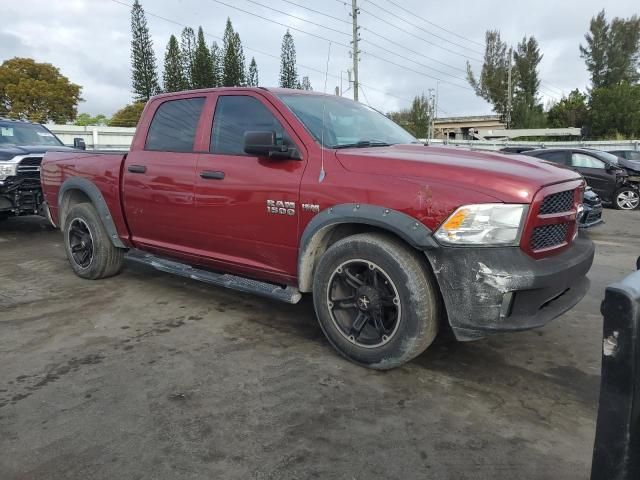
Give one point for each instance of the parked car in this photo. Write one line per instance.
(516, 149)
(22, 146)
(591, 210)
(602, 172)
(281, 192)
(630, 160)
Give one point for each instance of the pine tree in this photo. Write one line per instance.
(288, 71)
(595, 53)
(527, 109)
(252, 75)
(233, 58)
(187, 50)
(202, 73)
(174, 79)
(306, 84)
(216, 62)
(143, 59)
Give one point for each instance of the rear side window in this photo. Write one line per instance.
(237, 114)
(174, 125)
(555, 157)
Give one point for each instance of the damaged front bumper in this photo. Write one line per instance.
(502, 289)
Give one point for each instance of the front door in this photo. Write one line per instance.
(247, 205)
(595, 172)
(158, 178)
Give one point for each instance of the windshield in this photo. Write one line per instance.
(607, 157)
(346, 123)
(21, 134)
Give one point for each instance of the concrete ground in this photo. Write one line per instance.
(147, 375)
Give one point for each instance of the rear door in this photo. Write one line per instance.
(159, 175)
(594, 171)
(247, 205)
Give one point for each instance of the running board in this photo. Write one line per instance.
(288, 294)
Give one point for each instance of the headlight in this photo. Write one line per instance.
(485, 224)
(7, 169)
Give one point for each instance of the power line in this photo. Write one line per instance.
(318, 12)
(435, 24)
(404, 30)
(464, 47)
(372, 55)
(306, 67)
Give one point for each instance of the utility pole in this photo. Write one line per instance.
(509, 94)
(430, 104)
(355, 51)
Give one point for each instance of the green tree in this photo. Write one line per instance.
(615, 111)
(174, 79)
(37, 92)
(233, 71)
(187, 51)
(288, 69)
(127, 116)
(203, 74)
(216, 61)
(611, 53)
(571, 111)
(306, 83)
(527, 109)
(416, 118)
(143, 59)
(492, 84)
(252, 76)
(84, 119)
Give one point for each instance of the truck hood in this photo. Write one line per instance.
(8, 152)
(508, 178)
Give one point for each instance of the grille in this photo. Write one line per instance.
(549, 236)
(29, 167)
(557, 202)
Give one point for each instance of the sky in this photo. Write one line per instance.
(402, 54)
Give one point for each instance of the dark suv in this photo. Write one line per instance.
(22, 146)
(602, 171)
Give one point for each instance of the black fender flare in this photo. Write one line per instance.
(90, 190)
(313, 239)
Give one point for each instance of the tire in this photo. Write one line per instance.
(405, 299)
(626, 198)
(84, 233)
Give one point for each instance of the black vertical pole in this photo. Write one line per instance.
(616, 453)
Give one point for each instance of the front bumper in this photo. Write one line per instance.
(502, 289)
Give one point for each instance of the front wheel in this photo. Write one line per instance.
(88, 246)
(376, 300)
(626, 198)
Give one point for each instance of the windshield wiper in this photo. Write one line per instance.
(363, 144)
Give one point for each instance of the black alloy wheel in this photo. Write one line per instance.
(363, 303)
(80, 243)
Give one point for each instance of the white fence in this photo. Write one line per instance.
(119, 138)
(96, 138)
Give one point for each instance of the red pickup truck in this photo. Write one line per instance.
(282, 192)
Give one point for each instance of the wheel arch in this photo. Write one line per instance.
(343, 220)
(81, 190)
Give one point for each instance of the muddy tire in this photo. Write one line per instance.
(626, 198)
(376, 300)
(88, 246)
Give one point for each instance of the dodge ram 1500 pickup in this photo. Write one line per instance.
(282, 192)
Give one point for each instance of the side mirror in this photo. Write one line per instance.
(263, 144)
(79, 143)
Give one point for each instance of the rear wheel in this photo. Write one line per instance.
(626, 198)
(375, 300)
(88, 246)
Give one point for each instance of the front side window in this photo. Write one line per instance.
(174, 125)
(581, 160)
(337, 122)
(237, 114)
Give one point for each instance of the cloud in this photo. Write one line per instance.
(89, 42)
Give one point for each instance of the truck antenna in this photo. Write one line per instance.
(326, 74)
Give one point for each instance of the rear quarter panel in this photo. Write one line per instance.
(102, 169)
